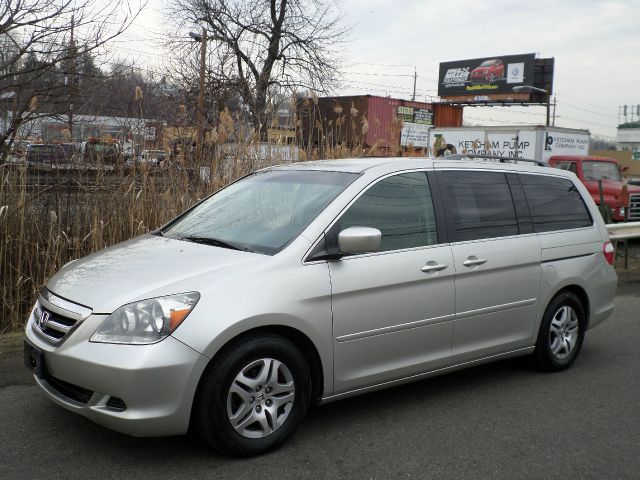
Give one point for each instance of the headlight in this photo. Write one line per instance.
(146, 321)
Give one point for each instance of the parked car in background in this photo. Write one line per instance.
(312, 282)
(71, 152)
(130, 152)
(13, 153)
(154, 157)
(488, 71)
(46, 154)
(593, 170)
(100, 151)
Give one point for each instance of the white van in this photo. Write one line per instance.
(312, 282)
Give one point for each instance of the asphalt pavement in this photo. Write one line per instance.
(498, 421)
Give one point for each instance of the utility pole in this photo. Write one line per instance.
(415, 78)
(554, 110)
(200, 110)
(70, 81)
(548, 90)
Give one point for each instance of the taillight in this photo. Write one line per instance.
(609, 252)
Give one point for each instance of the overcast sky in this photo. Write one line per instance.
(596, 45)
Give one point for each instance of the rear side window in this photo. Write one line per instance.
(555, 203)
(400, 207)
(480, 205)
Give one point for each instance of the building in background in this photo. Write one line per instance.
(366, 121)
(628, 138)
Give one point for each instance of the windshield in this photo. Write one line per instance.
(262, 212)
(601, 171)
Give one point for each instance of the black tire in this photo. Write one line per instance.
(544, 356)
(210, 415)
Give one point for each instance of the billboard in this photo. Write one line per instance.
(485, 76)
(416, 123)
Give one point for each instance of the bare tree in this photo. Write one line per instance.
(41, 45)
(266, 45)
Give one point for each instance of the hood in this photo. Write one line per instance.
(143, 267)
(610, 187)
(633, 189)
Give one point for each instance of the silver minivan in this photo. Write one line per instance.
(311, 282)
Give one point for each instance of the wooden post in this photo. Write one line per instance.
(200, 108)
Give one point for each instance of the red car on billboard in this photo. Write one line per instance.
(488, 71)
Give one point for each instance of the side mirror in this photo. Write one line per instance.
(359, 240)
(624, 169)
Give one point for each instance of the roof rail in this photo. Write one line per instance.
(495, 158)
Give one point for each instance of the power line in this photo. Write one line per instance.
(394, 65)
(387, 91)
(383, 64)
(587, 103)
(586, 121)
(407, 89)
(570, 105)
(380, 74)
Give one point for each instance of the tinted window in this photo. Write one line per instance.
(480, 205)
(400, 207)
(555, 203)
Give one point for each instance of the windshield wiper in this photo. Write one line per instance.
(215, 242)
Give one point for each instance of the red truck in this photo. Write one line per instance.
(592, 169)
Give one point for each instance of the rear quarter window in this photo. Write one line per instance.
(555, 203)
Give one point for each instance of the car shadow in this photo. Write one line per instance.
(355, 424)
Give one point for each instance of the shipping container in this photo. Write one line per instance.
(369, 121)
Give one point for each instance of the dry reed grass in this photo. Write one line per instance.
(50, 218)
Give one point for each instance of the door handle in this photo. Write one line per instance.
(473, 261)
(432, 266)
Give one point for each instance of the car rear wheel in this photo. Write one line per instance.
(253, 395)
(561, 333)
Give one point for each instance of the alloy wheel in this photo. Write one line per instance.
(563, 332)
(260, 398)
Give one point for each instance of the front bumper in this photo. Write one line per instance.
(154, 383)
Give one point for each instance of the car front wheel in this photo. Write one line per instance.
(253, 395)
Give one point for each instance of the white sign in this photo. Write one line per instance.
(520, 143)
(416, 134)
(557, 143)
(515, 72)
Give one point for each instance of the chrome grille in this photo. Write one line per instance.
(634, 208)
(54, 327)
(54, 318)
